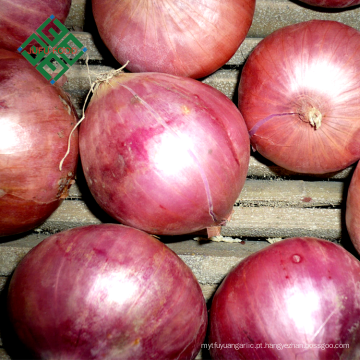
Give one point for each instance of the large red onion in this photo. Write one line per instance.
(294, 300)
(352, 214)
(299, 94)
(35, 122)
(187, 38)
(164, 154)
(106, 292)
(20, 18)
(332, 4)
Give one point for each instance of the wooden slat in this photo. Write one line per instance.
(296, 193)
(279, 193)
(262, 222)
(254, 222)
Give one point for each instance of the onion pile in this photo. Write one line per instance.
(35, 121)
(165, 154)
(19, 19)
(352, 215)
(299, 94)
(106, 292)
(296, 299)
(187, 38)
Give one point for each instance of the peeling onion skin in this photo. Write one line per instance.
(297, 291)
(165, 154)
(35, 122)
(332, 4)
(107, 292)
(190, 38)
(303, 72)
(20, 18)
(352, 214)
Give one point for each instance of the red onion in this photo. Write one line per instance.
(164, 154)
(20, 18)
(332, 4)
(299, 94)
(106, 292)
(187, 38)
(352, 214)
(35, 121)
(296, 299)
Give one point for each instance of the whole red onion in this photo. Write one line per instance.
(35, 122)
(332, 4)
(352, 214)
(296, 299)
(106, 292)
(299, 94)
(187, 38)
(165, 154)
(20, 18)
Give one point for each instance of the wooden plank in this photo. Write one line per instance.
(295, 193)
(279, 193)
(254, 222)
(262, 222)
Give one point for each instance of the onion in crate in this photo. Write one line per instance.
(36, 119)
(352, 214)
(294, 300)
(180, 37)
(106, 292)
(299, 94)
(165, 154)
(19, 19)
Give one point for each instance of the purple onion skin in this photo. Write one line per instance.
(35, 122)
(21, 18)
(332, 4)
(106, 292)
(186, 38)
(297, 291)
(164, 154)
(352, 215)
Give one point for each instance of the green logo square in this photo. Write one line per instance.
(60, 49)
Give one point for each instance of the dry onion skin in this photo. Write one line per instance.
(165, 154)
(36, 119)
(188, 38)
(299, 94)
(19, 19)
(106, 292)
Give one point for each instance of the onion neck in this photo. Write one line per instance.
(314, 117)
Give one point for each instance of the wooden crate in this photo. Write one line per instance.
(274, 204)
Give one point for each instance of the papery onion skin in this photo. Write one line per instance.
(299, 291)
(332, 4)
(21, 18)
(107, 292)
(187, 38)
(352, 214)
(165, 154)
(302, 71)
(35, 122)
